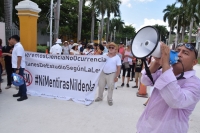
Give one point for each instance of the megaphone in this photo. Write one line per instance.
(146, 43)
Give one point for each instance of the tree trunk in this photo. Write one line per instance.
(183, 34)
(111, 34)
(190, 32)
(108, 27)
(169, 35)
(102, 23)
(92, 27)
(79, 20)
(8, 12)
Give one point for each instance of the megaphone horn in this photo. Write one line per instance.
(146, 43)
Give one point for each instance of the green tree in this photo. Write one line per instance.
(162, 31)
(113, 7)
(170, 12)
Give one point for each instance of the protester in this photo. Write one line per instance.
(127, 62)
(133, 68)
(109, 74)
(121, 51)
(7, 53)
(96, 52)
(79, 45)
(88, 50)
(105, 47)
(66, 48)
(56, 49)
(18, 64)
(82, 48)
(1, 63)
(74, 50)
(71, 44)
(138, 74)
(172, 100)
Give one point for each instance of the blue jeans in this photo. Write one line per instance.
(22, 88)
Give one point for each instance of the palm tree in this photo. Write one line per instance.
(93, 14)
(8, 12)
(193, 16)
(101, 6)
(170, 14)
(162, 30)
(113, 7)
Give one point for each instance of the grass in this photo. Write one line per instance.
(198, 60)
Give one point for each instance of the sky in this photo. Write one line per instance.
(140, 13)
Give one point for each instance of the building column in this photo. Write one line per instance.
(28, 16)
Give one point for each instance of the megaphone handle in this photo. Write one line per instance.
(148, 73)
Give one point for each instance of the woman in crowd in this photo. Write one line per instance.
(99, 50)
(74, 50)
(66, 48)
(127, 62)
(88, 50)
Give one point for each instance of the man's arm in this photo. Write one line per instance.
(176, 96)
(19, 59)
(117, 73)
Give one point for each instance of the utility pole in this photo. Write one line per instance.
(79, 20)
(51, 19)
(176, 43)
(57, 18)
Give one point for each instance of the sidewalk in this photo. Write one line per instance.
(44, 115)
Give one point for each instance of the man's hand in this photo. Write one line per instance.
(17, 71)
(116, 79)
(165, 54)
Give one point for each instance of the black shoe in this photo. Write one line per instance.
(135, 87)
(122, 85)
(116, 88)
(22, 98)
(127, 85)
(106, 89)
(119, 77)
(16, 95)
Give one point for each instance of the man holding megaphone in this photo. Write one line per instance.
(176, 88)
(172, 100)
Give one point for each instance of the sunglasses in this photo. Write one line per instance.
(189, 46)
(111, 47)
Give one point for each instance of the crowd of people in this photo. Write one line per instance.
(172, 101)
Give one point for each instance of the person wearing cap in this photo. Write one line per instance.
(66, 48)
(18, 64)
(173, 98)
(109, 74)
(74, 50)
(56, 49)
(105, 47)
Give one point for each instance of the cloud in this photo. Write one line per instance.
(144, 0)
(132, 24)
(126, 3)
(148, 22)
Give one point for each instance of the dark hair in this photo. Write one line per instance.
(95, 44)
(16, 37)
(101, 47)
(89, 46)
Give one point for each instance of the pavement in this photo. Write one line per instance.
(45, 115)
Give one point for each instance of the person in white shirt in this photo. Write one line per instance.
(109, 73)
(105, 47)
(18, 64)
(66, 48)
(56, 49)
(71, 44)
(74, 50)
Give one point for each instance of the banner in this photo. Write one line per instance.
(63, 76)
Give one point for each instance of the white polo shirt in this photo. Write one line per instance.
(18, 51)
(56, 49)
(111, 64)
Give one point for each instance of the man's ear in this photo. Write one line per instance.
(195, 61)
